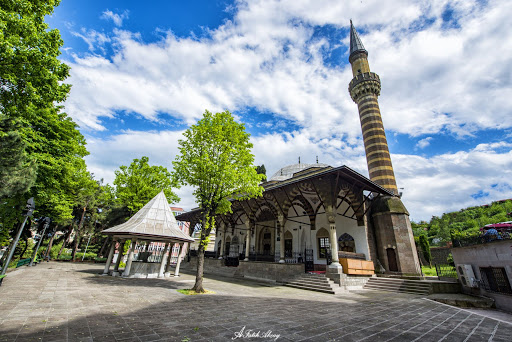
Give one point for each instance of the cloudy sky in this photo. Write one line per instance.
(142, 72)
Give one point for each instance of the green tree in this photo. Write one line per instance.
(17, 169)
(262, 170)
(215, 157)
(138, 183)
(40, 136)
(425, 248)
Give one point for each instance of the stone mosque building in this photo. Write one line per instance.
(314, 217)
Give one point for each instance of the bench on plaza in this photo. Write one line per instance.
(23, 262)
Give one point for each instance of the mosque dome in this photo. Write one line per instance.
(287, 172)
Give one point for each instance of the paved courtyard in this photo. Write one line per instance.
(71, 302)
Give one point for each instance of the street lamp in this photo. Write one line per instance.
(46, 221)
(29, 211)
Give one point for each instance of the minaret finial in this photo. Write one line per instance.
(356, 46)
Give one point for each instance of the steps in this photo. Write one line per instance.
(314, 282)
(399, 285)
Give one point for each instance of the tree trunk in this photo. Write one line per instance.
(105, 243)
(26, 246)
(66, 239)
(198, 287)
(78, 232)
(75, 247)
(50, 244)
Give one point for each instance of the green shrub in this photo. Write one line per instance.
(65, 257)
(100, 260)
(88, 256)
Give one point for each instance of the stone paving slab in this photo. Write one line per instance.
(69, 302)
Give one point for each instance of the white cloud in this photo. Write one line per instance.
(424, 143)
(115, 17)
(94, 39)
(447, 182)
(437, 78)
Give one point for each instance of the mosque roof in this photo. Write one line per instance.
(288, 171)
(355, 42)
(154, 221)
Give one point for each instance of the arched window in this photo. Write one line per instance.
(346, 243)
(324, 244)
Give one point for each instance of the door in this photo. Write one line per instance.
(393, 267)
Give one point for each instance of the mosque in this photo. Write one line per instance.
(315, 218)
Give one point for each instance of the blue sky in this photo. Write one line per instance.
(143, 72)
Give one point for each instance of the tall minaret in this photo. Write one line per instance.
(394, 241)
(364, 90)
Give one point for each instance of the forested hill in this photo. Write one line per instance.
(464, 222)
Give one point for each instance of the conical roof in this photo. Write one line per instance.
(355, 42)
(155, 220)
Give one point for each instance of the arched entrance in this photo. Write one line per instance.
(288, 244)
(265, 242)
(228, 245)
(393, 266)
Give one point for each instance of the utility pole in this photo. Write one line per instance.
(30, 210)
(46, 221)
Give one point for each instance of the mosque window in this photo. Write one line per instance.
(323, 246)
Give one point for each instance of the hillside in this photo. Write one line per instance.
(464, 222)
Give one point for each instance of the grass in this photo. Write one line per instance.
(429, 271)
(192, 292)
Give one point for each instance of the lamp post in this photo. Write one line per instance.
(29, 211)
(46, 221)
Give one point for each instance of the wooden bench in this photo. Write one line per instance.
(23, 262)
(357, 266)
(2, 278)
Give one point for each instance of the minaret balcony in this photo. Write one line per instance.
(364, 83)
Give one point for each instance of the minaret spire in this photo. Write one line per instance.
(356, 45)
(364, 90)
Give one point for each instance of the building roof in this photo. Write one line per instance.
(355, 42)
(288, 171)
(154, 221)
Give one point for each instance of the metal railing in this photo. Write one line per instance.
(446, 271)
(481, 239)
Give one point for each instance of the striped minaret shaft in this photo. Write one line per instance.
(364, 90)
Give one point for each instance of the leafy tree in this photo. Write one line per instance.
(425, 248)
(215, 157)
(138, 183)
(17, 169)
(33, 127)
(261, 170)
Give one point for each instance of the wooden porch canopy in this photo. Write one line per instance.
(318, 183)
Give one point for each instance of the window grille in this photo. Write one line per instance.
(494, 279)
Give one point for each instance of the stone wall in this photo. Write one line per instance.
(265, 271)
(493, 254)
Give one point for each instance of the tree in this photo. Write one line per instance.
(425, 248)
(261, 170)
(215, 157)
(33, 127)
(17, 169)
(138, 183)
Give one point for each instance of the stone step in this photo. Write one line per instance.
(398, 280)
(313, 282)
(396, 287)
(390, 289)
(424, 286)
(310, 288)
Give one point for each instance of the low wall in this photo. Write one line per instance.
(258, 270)
(144, 269)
